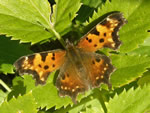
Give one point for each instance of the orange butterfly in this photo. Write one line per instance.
(80, 67)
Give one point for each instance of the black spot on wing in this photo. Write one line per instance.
(44, 55)
(46, 67)
(53, 58)
(90, 40)
(95, 45)
(53, 65)
(101, 40)
(94, 31)
(40, 65)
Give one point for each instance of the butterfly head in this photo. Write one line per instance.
(69, 44)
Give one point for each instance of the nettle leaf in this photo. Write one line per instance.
(145, 79)
(90, 6)
(143, 49)
(25, 19)
(29, 20)
(131, 101)
(63, 13)
(9, 52)
(23, 104)
(136, 12)
(92, 104)
(128, 68)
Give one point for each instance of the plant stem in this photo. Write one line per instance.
(59, 37)
(5, 86)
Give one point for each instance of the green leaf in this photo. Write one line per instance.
(128, 68)
(90, 6)
(132, 101)
(6, 68)
(9, 52)
(93, 105)
(145, 79)
(17, 89)
(23, 104)
(29, 20)
(25, 19)
(64, 13)
(142, 49)
(136, 12)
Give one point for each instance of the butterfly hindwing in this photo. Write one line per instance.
(69, 82)
(40, 64)
(104, 34)
(100, 69)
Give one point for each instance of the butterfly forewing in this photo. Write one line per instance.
(40, 64)
(104, 34)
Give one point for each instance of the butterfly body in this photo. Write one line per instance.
(80, 67)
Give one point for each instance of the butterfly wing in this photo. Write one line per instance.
(105, 34)
(69, 82)
(99, 68)
(40, 64)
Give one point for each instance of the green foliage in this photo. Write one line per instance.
(129, 68)
(132, 101)
(35, 21)
(9, 52)
(23, 104)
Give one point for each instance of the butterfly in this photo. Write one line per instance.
(80, 67)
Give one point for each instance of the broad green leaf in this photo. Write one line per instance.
(17, 89)
(146, 42)
(22, 85)
(136, 12)
(92, 3)
(93, 105)
(31, 19)
(143, 49)
(6, 68)
(63, 13)
(23, 104)
(9, 52)
(90, 6)
(145, 79)
(26, 20)
(131, 101)
(128, 68)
